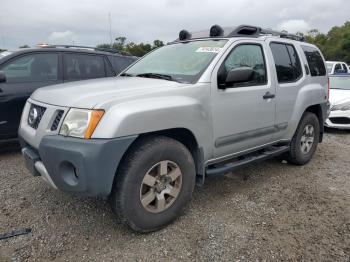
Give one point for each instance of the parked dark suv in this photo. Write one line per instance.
(24, 71)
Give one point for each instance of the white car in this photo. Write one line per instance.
(340, 102)
(337, 67)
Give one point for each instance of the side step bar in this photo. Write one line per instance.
(245, 160)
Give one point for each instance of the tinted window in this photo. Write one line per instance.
(345, 68)
(287, 62)
(32, 68)
(337, 67)
(109, 69)
(295, 61)
(120, 63)
(78, 66)
(315, 61)
(247, 55)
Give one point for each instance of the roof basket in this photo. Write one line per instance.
(239, 31)
(254, 31)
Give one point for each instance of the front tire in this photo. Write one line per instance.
(305, 140)
(153, 184)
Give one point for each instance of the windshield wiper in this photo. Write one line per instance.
(126, 74)
(156, 75)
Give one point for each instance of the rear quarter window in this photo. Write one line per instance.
(315, 61)
(120, 63)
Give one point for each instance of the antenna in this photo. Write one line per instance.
(110, 29)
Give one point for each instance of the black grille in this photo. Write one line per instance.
(340, 120)
(35, 114)
(57, 120)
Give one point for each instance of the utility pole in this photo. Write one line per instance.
(110, 29)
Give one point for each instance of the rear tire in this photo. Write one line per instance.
(305, 140)
(153, 184)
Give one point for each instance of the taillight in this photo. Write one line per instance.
(329, 86)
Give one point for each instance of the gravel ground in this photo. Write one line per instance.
(265, 212)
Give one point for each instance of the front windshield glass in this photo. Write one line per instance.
(329, 67)
(339, 82)
(182, 62)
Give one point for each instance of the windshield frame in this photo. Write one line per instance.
(197, 77)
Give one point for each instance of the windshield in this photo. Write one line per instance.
(182, 62)
(329, 67)
(339, 82)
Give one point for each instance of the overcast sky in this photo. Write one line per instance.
(85, 22)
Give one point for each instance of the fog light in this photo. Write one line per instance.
(69, 173)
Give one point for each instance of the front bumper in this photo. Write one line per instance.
(84, 167)
(339, 119)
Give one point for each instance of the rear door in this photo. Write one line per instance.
(290, 78)
(82, 66)
(24, 74)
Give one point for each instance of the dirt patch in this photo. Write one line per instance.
(265, 212)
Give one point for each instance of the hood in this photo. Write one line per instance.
(89, 93)
(338, 96)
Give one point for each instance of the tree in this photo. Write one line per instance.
(157, 43)
(24, 46)
(132, 48)
(335, 45)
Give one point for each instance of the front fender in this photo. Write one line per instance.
(146, 115)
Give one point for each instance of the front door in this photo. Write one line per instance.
(243, 113)
(24, 75)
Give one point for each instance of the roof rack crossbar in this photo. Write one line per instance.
(109, 50)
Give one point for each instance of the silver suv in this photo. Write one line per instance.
(203, 105)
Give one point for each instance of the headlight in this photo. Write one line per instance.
(342, 107)
(80, 123)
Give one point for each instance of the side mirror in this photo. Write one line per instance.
(2, 77)
(239, 75)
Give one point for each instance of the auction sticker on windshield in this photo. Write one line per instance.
(208, 49)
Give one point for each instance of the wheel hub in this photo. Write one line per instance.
(161, 186)
(307, 139)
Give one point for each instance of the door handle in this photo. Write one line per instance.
(268, 95)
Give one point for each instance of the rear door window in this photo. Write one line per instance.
(315, 61)
(287, 62)
(82, 66)
(32, 68)
(120, 63)
(109, 68)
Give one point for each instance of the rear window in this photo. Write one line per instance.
(120, 63)
(315, 61)
(81, 66)
(287, 62)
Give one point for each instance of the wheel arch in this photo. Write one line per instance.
(184, 136)
(317, 110)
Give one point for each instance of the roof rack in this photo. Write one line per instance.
(239, 31)
(108, 50)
